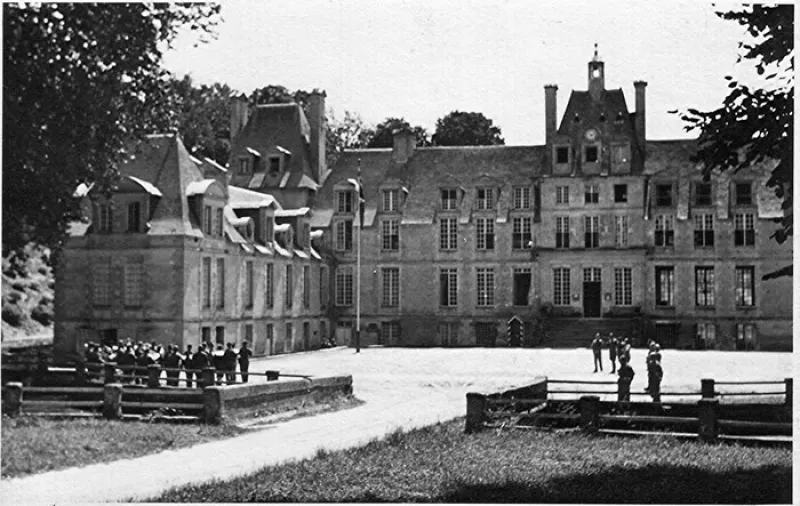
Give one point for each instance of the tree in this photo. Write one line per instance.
(756, 124)
(349, 133)
(79, 81)
(466, 129)
(384, 132)
(277, 94)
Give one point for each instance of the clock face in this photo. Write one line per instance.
(591, 134)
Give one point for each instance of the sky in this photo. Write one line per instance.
(420, 60)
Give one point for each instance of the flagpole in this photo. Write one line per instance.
(358, 263)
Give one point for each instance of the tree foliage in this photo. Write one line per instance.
(382, 135)
(466, 129)
(79, 80)
(348, 133)
(756, 124)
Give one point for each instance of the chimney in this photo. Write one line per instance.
(641, 138)
(404, 143)
(550, 91)
(239, 111)
(319, 131)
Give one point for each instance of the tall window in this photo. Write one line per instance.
(248, 333)
(745, 336)
(665, 231)
(207, 217)
(344, 235)
(620, 193)
(706, 335)
(219, 222)
(702, 194)
(390, 333)
(745, 286)
(134, 216)
(134, 281)
(704, 286)
(390, 200)
(744, 230)
(105, 218)
(323, 287)
(448, 287)
(703, 230)
(484, 228)
(269, 285)
(274, 165)
(448, 233)
(562, 154)
(561, 288)
(390, 235)
(620, 231)
(220, 335)
(522, 238)
(591, 154)
(206, 282)
(289, 337)
(665, 286)
(485, 199)
(562, 231)
(269, 228)
(562, 194)
(744, 194)
(623, 293)
(101, 281)
(344, 201)
(306, 286)
(522, 197)
(664, 195)
(289, 286)
(243, 166)
(591, 194)
(248, 285)
(485, 286)
(591, 228)
(220, 282)
(522, 285)
(391, 286)
(449, 199)
(620, 154)
(344, 286)
(448, 334)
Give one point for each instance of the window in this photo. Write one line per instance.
(745, 285)
(665, 286)
(561, 289)
(289, 337)
(449, 199)
(134, 216)
(207, 217)
(623, 293)
(390, 235)
(306, 286)
(706, 335)
(522, 238)
(344, 286)
(274, 165)
(243, 166)
(485, 231)
(390, 333)
(101, 281)
(485, 286)
(562, 154)
(591, 154)
(485, 199)
(391, 286)
(248, 285)
(133, 277)
(206, 282)
(448, 233)
(205, 333)
(620, 231)
(702, 194)
(620, 155)
(665, 232)
(344, 201)
(664, 195)
(220, 282)
(591, 226)
(220, 337)
(744, 194)
(522, 285)
(562, 194)
(745, 336)
(592, 274)
(105, 218)
(323, 287)
(448, 334)
(703, 230)
(289, 286)
(269, 285)
(522, 197)
(390, 200)
(704, 286)
(486, 333)
(620, 193)
(219, 222)
(344, 235)
(448, 287)
(562, 231)
(269, 227)
(744, 231)
(591, 195)
(248, 333)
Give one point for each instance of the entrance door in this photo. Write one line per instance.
(591, 299)
(667, 335)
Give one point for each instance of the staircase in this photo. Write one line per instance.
(578, 332)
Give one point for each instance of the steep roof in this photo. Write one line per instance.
(610, 105)
(242, 198)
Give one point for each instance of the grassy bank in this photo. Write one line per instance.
(442, 464)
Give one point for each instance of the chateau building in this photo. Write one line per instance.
(599, 229)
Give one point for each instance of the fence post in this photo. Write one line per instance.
(476, 412)
(273, 375)
(709, 429)
(213, 407)
(707, 388)
(153, 375)
(207, 377)
(112, 401)
(590, 413)
(12, 403)
(110, 373)
(788, 382)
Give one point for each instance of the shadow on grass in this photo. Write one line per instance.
(652, 485)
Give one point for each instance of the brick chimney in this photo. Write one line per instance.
(239, 112)
(641, 136)
(319, 129)
(404, 143)
(550, 125)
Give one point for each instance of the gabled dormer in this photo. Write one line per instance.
(207, 202)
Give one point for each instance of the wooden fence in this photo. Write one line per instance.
(155, 376)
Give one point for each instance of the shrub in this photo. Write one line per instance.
(43, 313)
(13, 315)
(13, 297)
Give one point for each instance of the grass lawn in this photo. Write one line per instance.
(442, 464)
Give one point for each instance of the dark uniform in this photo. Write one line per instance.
(201, 360)
(625, 378)
(244, 361)
(172, 361)
(597, 350)
(612, 352)
(655, 374)
(188, 366)
(218, 363)
(229, 357)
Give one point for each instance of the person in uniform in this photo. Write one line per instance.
(655, 374)
(229, 358)
(597, 350)
(218, 363)
(625, 378)
(613, 344)
(201, 360)
(188, 365)
(172, 361)
(244, 360)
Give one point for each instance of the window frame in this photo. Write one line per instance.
(391, 200)
(591, 232)
(485, 287)
(744, 232)
(667, 200)
(705, 286)
(343, 286)
(623, 286)
(703, 230)
(662, 287)
(665, 230)
(621, 226)
(562, 195)
(390, 234)
(704, 190)
(448, 199)
(521, 233)
(562, 232)
(621, 197)
(738, 201)
(591, 193)
(557, 150)
(484, 233)
(448, 287)
(342, 240)
(485, 198)
(743, 288)
(521, 198)
(595, 146)
(448, 233)
(562, 290)
(390, 287)
(344, 202)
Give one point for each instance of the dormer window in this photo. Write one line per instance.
(562, 154)
(743, 192)
(591, 154)
(449, 199)
(134, 216)
(244, 166)
(207, 220)
(390, 200)
(268, 230)
(219, 222)
(344, 201)
(104, 218)
(274, 165)
(485, 199)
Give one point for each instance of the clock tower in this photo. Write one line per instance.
(597, 77)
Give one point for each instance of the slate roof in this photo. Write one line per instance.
(610, 103)
(242, 198)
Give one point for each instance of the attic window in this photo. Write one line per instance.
(619, 116)
(485, 199)
(243, 166)
(562, 154)
(577, 118)
(274, 165)
(591, 154)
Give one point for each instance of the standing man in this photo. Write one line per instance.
(188, 366)
(229, 358)
(597, 349)
(244, 360)
(172, 362)
(612, 351)
(655, 374)
(201, 360)
(624, 382)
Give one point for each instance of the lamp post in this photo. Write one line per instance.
(357, 185)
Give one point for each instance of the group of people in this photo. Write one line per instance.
(620, 349)
(134, 359)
